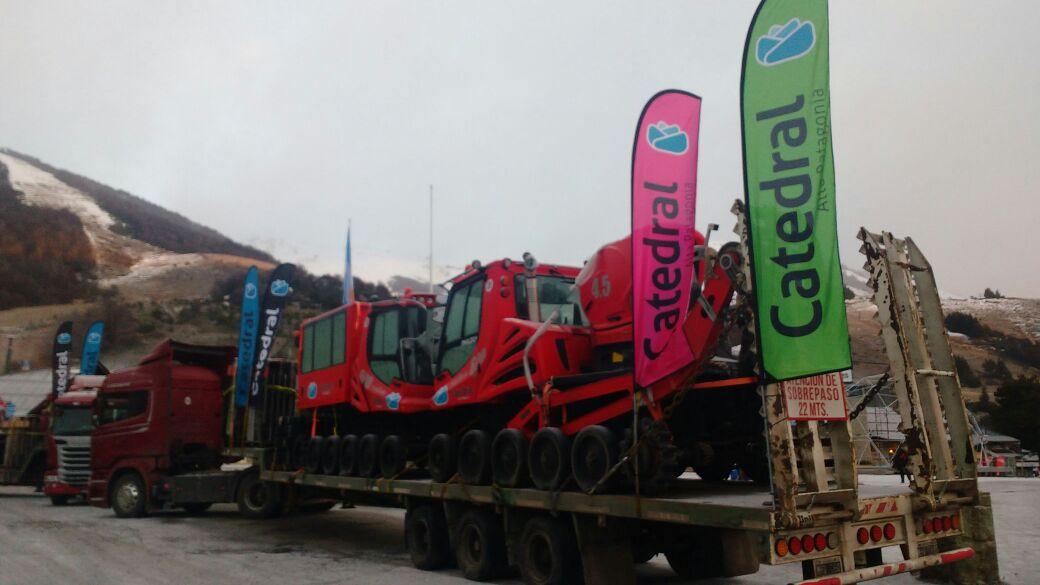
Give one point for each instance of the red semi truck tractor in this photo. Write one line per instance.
(68, 441)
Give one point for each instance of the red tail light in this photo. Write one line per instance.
(794, 545)
(875, 533)
(821, 541)
(947, 523)
(890, 531)
(808, 544)
(862, 535)
(956, 522)
(926, 526)
(937, 524)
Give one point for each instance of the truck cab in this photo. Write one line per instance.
(68, 440)
(159, 418)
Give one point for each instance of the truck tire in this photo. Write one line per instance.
(480, 546)
(549, 458)
(312, 458)
(509, 458)
(441, 458)
(196, 508)
(348, 447)
(593, 455)
(298, 452)
(392, 456)
(129, 496)
(258, 499)
(60, 500)
(426, 536)
(368, 456)
(475, 458)
(549, 553)
(696, 558)
(330, 455)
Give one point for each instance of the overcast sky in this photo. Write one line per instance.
(276, 122)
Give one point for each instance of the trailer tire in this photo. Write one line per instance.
(697, 558)
(480, 545)
(441, 458)
(348, 448)
(392, 456)
(509, 458)
(549, 553)
(426, 536)
(549, 458)
(475, 458)
(298, 452)
(593, 455)
(368, 456)
(129, 496)
(258, 499)
(60, 500)
(330, 455)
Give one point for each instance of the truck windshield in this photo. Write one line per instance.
(554, 293)
(72, 420)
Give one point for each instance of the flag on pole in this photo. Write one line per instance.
(248, 328)
(92, 348)
(348, 276)
(789, 191)
(664, 197)
(60, 359)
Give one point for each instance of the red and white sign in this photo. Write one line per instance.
(820, 397)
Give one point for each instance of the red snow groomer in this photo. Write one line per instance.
(524, 376)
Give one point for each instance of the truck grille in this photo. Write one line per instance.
(73, 460)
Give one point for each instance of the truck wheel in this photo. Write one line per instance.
(549, 458)
(480, 546)
(196, 508)
(298, 452)
(368, 456)
(549, 553)
(426, 536)
(441, 458)
(509, 458)
(330, 455)
(312, 459)
(698, 558)
(258, 499)
(129, 497)
(59, 500)
(348, 447)
(593, 455)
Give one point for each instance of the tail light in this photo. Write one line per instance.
(808, 543)
(862, 535)
(926, 526)
(890, 531)
(781, 548)
(821, 541)
(947, 523)
(937, 524)
(875, 533)
(956, 522)
(794, 545)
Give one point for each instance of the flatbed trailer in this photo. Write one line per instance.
(814, 511)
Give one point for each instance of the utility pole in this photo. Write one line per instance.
(431, 238)
(7, 360)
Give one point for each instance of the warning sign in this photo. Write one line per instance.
(819, 397)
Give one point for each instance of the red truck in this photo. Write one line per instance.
(159, 442)
(68, 441)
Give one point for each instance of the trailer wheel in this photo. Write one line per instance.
(593, 455)
(59, 500)
(426, 536)
(368, 456)
(348, 451)
(129, 497)
(549, 458)
(258, 499)
(312, 457)
(330, 455)
(441, 458)
(392, 456)
(480, 546)
(549, 553)
(696, 558)
(475, 458)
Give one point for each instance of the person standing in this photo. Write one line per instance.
(900, 461)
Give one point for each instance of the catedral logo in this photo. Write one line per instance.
(62, 371)
(785, 42)
(266, 339)
(791, 186)
(663, 243)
